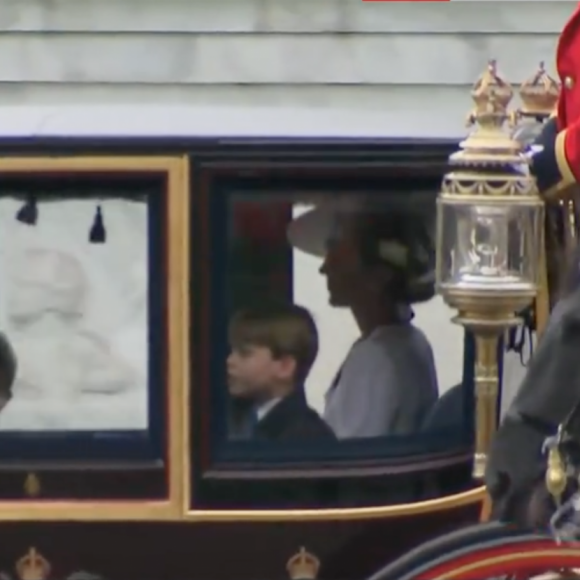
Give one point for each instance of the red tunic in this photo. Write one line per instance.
(558, 165)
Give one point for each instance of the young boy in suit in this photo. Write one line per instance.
(272, 352)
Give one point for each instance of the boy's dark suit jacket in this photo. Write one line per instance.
(291, 422)
(292, 419)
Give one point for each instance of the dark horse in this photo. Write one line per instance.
(541, 409)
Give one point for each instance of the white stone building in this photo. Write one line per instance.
(418, 59)
(406, 66)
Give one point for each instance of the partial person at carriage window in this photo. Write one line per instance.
(8, 366)
(378, 264)
(272, 351)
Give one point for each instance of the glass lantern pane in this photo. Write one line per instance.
(489, 247)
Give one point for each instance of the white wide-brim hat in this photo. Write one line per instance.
(310, 232)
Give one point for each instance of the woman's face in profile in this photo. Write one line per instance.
(342, 265)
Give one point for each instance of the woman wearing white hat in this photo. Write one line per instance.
(377, 264)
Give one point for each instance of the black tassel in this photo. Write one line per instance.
(28, 213)
(520, 338)
(98, 234)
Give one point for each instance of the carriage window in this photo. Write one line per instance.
(73, 313)
(333, 330)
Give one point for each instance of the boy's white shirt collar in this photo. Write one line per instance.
(266, 407)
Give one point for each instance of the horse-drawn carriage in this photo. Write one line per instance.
(178, 499)
(532, 465)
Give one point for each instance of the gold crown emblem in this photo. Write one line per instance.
(491, 93)
(33, 566)
(539, 94)
(303, 566)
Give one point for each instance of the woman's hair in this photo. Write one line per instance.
(403, 243)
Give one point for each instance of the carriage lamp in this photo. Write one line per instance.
(489, 240)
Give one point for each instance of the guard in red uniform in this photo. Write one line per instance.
(551, 387)
(557, 165)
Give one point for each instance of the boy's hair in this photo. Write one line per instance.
(286, 330)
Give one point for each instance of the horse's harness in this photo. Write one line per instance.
(562, 476)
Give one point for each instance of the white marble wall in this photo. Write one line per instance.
(415, 61)
(328, 53)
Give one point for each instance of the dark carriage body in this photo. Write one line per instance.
(189, 506)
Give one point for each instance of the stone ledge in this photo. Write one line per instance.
(454, 100)
(432, 111)
(138, 120)
(267, 59)
(271, 16)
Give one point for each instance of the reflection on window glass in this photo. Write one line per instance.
(334, 327)
(259, 251)
(73, 311)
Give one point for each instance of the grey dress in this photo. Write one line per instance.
(386, 386)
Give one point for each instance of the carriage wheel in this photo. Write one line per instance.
(486, 551)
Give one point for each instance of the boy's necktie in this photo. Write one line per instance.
(250, 423)
(253, 420)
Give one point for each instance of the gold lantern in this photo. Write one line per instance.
(489, 240)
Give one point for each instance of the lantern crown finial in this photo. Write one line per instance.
(491, 93)
(489, 143)
(539, 94)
